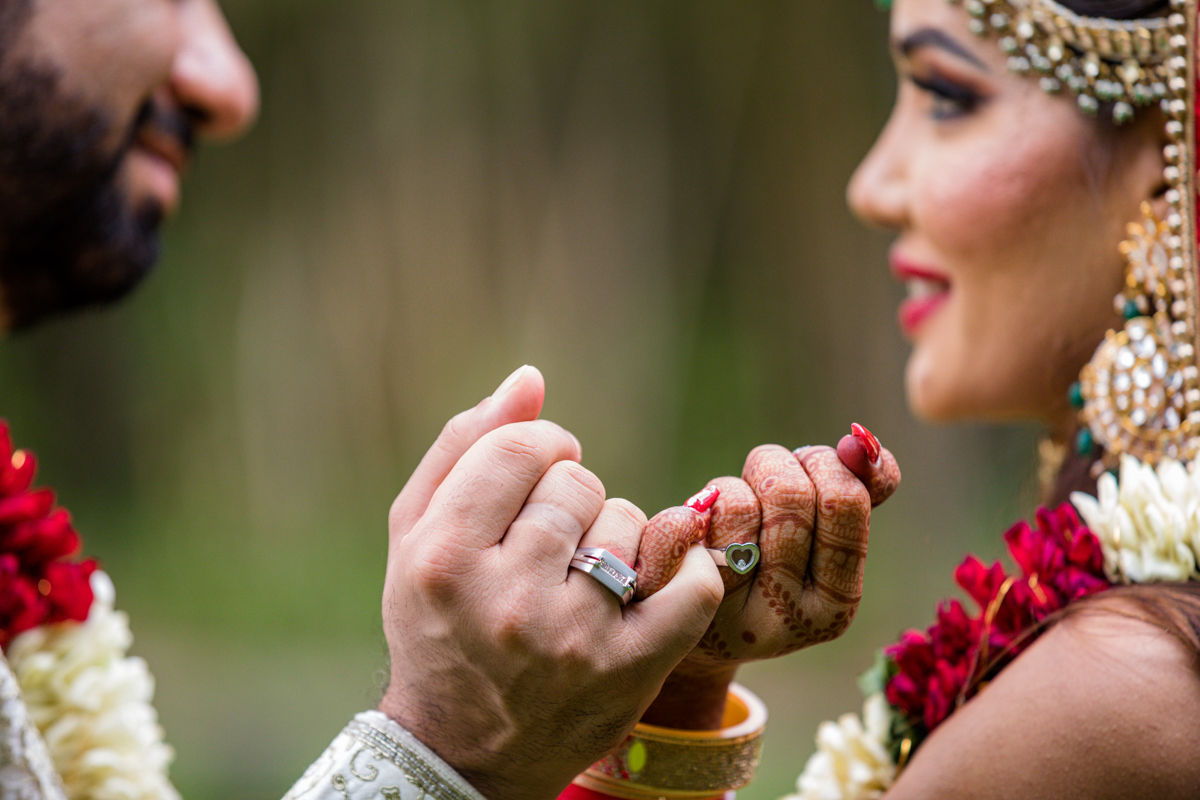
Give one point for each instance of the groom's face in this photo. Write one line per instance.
(101, 103)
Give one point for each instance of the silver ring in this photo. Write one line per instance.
(741, 558)
(611, 572)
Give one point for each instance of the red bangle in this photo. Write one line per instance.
(574, 792)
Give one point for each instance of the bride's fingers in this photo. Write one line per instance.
(736, 516)
(518, 399)
(839, 540)
(665, 543)
(861, 452)
(788, 500)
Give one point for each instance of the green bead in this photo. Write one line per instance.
(637, 757)
(1131, 310)
(1077, 394)
(1085, 442)
(883, 5)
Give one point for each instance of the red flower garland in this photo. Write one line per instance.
(39, 584)
(933, 673)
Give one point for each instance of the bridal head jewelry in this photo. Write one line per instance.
(611, 572)
(1140, 394)
(1128, 63)
(741, 558)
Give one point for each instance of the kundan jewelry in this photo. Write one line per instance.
(1125, 63)
(1139, 395)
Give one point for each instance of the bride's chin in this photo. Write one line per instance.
(938, 394)
(926, 390)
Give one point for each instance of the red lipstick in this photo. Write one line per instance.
(928, 289)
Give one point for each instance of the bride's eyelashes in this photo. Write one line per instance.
(948, 99)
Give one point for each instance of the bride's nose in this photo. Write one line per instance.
(878, 190)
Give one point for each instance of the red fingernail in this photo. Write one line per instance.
(868, 441)
(704, 500)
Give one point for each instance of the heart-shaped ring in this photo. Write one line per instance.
(741, 558)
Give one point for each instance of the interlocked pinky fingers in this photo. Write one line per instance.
(618, 529)
(665, 543)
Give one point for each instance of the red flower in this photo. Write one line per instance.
(38, 582)
(1059, 561)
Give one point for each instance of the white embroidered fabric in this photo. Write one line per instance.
(26, 771)
(373, 758)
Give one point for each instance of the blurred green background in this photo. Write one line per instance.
(642, 197)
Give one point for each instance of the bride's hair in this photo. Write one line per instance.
(1116, 9)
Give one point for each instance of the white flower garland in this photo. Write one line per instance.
(1148, 523)
(852, 761)
(92, 703)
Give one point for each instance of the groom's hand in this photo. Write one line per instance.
(518, 671)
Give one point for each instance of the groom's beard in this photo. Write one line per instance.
(69, 236)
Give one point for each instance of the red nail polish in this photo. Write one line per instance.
(868, 441)
(704, 500)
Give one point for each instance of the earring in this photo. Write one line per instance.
(1139, 393)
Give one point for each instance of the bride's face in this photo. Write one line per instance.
(1009, 204)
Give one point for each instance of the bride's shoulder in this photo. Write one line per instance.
(1106, 704)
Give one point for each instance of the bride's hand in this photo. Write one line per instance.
(516, 670)
(809, 514)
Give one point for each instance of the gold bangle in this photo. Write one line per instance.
(655, 762)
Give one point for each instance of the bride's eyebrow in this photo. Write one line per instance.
(932, 37)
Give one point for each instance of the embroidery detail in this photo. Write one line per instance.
(369, 775)
(415, 770)
(368, 762)
(26, 772)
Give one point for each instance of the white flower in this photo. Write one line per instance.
(852, 761)
(1148, 523)
(92, 704)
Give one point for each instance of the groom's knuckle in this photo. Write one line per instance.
(433, 569)
(520, 451)
(627, 513)
(580, 481)
(454, 432)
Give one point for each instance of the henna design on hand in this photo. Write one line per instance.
(713, 645)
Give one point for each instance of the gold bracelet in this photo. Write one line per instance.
(656, 762)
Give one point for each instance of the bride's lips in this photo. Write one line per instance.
(928, 289)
